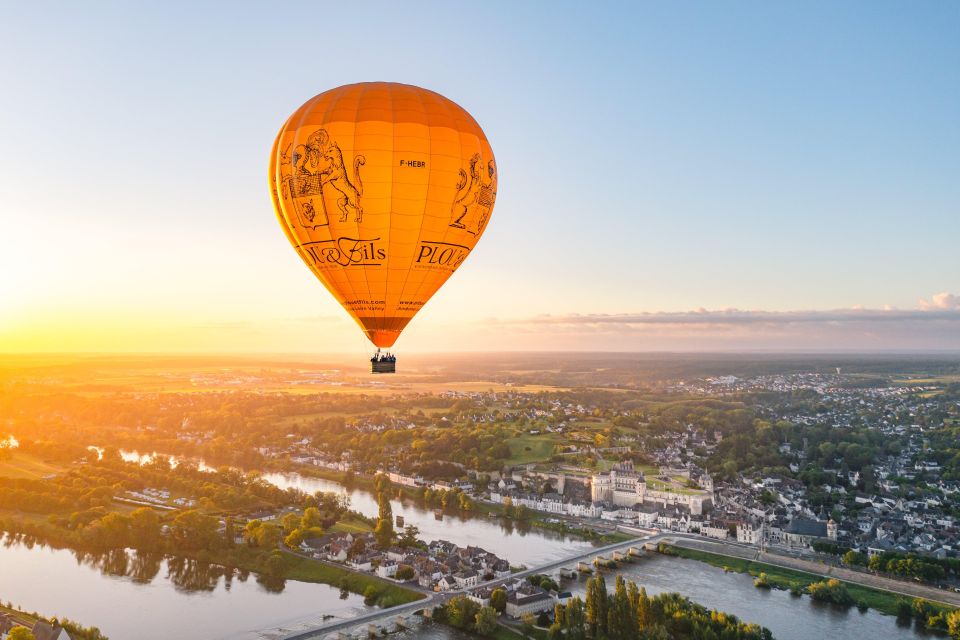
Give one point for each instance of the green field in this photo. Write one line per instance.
(24, 465)
(781, 578)
(531, 448)
(351, 525)
(387, 594)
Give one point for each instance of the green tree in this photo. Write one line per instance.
(145, 526)
(311, 518)
(644, 617)
(410, 536)
(485, 621)
(498, 599)
(528, 620)
(384, 529)
(290, 521)
(597, 605)
(621, 617)
(575, 619)
(383, 532)
(462, 612)
(953, 624)
(21, 633)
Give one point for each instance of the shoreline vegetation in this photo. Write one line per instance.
(622, 613)
(475, 508)
(931, 616)
(76, 630)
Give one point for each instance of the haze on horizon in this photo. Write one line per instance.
(706, 177)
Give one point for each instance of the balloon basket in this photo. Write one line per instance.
(383, 366)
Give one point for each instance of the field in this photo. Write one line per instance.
(388, 594)
(23, 465)
(351, 525)
(531, 448)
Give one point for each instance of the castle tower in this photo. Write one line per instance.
(601, 488)
(831, 530)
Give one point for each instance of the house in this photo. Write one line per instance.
(647, 515)
(526, 600)
(361, 563)
(46, 631)
(800, 532)
(466, 579)
(446, 583)
(387, 569)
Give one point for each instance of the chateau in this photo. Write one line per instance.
(624, 486)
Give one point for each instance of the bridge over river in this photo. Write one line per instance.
(399, 615)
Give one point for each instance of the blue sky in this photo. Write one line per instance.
(653, 157)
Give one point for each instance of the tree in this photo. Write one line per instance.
(485, 621)
(384, 529)
(311, 518)
(294, 539)
(289, 522)
(145, 526)
(597, 605)
(275, 563)
(383, 532)
(621, 619)
(575, 619)
(528, 620)
(498, 599)
(410, 536)
(851, 558)
(21, 633)
(644, 617)
(953, 624)
(462, 612)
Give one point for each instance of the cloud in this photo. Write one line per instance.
(738, 317)
(941, 301)
(925, 329)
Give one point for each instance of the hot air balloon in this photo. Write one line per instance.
(383, 189)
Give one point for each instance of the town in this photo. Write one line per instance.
(825, 465)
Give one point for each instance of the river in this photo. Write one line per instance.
(145, 597)
(134, 596)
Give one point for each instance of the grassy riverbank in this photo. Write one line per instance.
(276, 565)
(783, 578)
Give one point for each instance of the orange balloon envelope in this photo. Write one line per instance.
(383, 189)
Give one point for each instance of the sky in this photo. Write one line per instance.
(672, 176)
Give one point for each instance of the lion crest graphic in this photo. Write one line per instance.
(310, 169)
(475, 196)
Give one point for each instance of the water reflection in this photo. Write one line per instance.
(159, 597)
(787, 616)
(517, 542)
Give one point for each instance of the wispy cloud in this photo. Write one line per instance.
(706, 318)
(935, 325)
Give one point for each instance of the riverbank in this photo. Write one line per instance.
(277, 565)
(778, 577)
(28, 620)
(480, 508)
